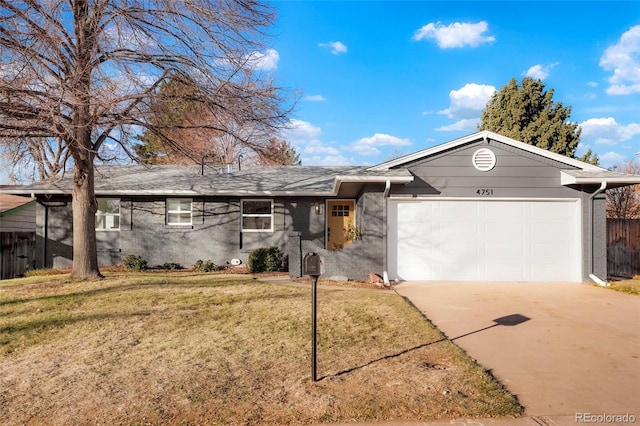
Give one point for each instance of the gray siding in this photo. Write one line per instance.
(594, 251)
(54, 240)
(20, 219)
(359, 258)
(215, 232)
(517, 174)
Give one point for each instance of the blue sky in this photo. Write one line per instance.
(378, 79)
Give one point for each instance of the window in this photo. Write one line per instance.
(340, 210)
(257, 215)
(178, 211)
(108, 214)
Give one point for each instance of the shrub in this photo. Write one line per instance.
(131, 262)
(171, 266)
(266, 260)
(204, 266)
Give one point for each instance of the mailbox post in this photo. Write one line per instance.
(312, 265)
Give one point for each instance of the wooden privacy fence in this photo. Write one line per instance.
(623, 247)
(17, 253)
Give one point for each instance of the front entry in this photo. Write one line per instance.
(340, 223)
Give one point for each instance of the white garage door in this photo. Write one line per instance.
(484, 240)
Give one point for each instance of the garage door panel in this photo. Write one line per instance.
(500, 231)
(485, 240)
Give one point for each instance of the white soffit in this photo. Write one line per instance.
(568, 177)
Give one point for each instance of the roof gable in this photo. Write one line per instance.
(479, 136)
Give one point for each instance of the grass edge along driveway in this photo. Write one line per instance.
(185, 348)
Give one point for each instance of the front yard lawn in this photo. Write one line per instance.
(185, 348)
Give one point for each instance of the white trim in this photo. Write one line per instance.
(569, 179)
(339, 180)
(178, 212)
(392, 225)
(270, 215)
(399, 197)
(485, 135)
(107, 215)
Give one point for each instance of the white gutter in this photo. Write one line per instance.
(592, 275)
(385, 195)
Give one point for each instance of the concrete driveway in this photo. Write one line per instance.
(562, 348)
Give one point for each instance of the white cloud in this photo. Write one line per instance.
(592, 84)
(467, 124)
(336, 47)
(299, 131)
(315, 147)
(606, 131)
(610, 159)
(263, 61)
(540, 72)
(455, 35)
(369, 146)
(313, 151)
(623, 58)
(315, 98)
(469, 101)
(318, 153)
(330, 160)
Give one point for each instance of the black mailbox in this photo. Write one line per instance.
(312, 264)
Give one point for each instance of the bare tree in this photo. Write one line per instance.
(624, 202)
(34, 159)
(85, 72)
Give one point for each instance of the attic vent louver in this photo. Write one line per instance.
(484, 159)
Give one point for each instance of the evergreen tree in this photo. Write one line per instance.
(527, 113)
(195, 131)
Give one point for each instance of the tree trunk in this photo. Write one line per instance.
(84, 205)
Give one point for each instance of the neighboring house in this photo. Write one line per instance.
(17, 235)
(482, 207)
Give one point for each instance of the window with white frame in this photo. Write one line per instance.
(108, 214)
(257, 215)
(179, 211)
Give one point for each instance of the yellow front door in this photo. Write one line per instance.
(340, 220)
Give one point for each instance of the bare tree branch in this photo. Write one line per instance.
(84, 72)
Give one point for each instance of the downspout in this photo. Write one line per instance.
(385, 195)
(592, 275)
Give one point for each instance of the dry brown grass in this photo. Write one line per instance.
(183, 348)
(631, 286)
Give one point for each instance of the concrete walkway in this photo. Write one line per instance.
(564, 349)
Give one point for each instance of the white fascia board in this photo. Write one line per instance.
(369, 179)
(486, 135)
(568, 179)
(426, 152)
(545, 153)
(27, 191)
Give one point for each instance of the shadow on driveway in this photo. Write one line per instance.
(575, 349)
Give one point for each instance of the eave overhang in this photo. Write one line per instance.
(338, 181)
(580, 177)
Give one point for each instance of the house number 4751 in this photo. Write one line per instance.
(484, 191)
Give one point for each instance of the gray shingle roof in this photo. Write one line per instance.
(189, 180)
